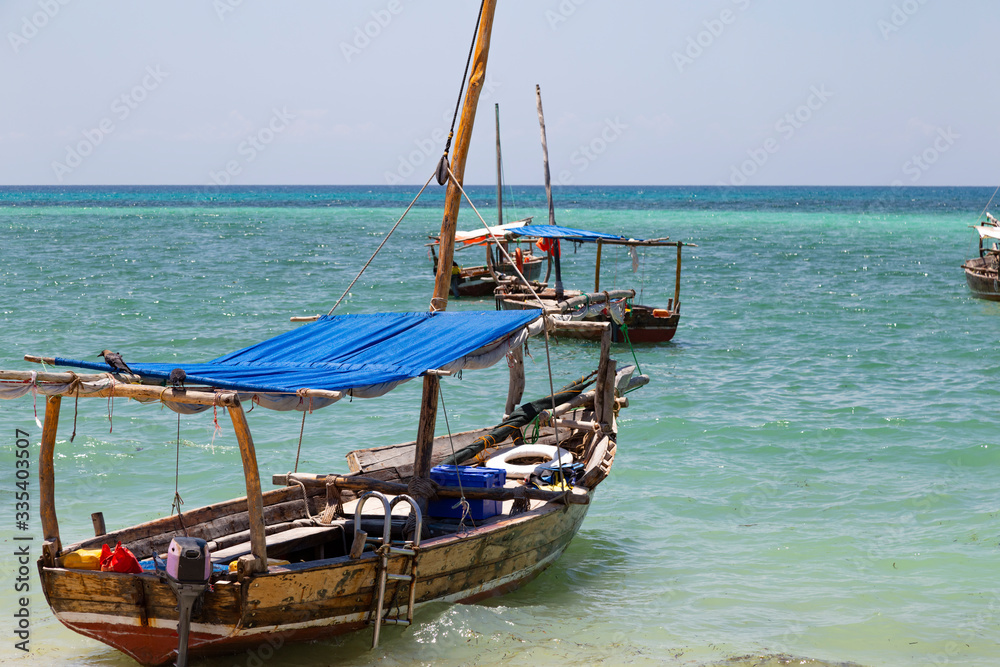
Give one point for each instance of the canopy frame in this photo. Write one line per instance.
(256, 561)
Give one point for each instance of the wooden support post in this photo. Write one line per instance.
(608, 404)
(556, 249)
(677, 278)
(453, 198)
(600, 391)
(597, 268)
(425, 427)
(515, 390)
(255, 501)
(496, 108)
(97, 518)
(47, 483)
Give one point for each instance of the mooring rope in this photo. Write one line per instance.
(177, 502)
(302, 429)
(75, 384)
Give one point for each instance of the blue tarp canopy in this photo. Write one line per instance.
(568, 233)
(371, 353)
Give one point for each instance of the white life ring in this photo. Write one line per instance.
(549, 452)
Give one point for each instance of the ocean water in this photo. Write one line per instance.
(809, 476)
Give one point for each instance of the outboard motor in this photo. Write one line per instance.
(189, 568)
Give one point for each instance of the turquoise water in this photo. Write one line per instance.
(810, 473)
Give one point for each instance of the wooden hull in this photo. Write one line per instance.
(983, 281)
(642, 325)
(477, 281)
(305, 601)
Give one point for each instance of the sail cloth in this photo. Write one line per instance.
(366, 355)
(568, 233)
(988, 232)
(479, 236)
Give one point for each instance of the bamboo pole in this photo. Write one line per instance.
(489, 248)
(255, 501)
(597, 268)
(554, 253)
(47, 483)
(453, 199)
(496, 108)
(677, 280)
(150, 389)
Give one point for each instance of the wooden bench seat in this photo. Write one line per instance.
(284, 543)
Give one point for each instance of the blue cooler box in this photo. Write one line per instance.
(472, 478)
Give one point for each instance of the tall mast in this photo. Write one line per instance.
(499, 170)
(548, 192)
(446, 252)
(489, 248)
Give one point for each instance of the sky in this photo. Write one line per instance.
(671, 92)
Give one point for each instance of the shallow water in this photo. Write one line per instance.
(810, 473)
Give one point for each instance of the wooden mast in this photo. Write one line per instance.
(677, 279)
(496, 108)
(553, 250)
(442, 280)
(489, 248)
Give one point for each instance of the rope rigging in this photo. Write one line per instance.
(178, 501)
(510, 260)
(462, 502)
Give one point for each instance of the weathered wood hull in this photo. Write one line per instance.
(983, 281)
(477, 281)
(137, 615)
(642, 325)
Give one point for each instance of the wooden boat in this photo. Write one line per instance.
(578, 314)
(348, 562)
(981, 273)
(323, 590)
(481, 280)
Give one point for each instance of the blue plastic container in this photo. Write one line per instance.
(472, 478)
